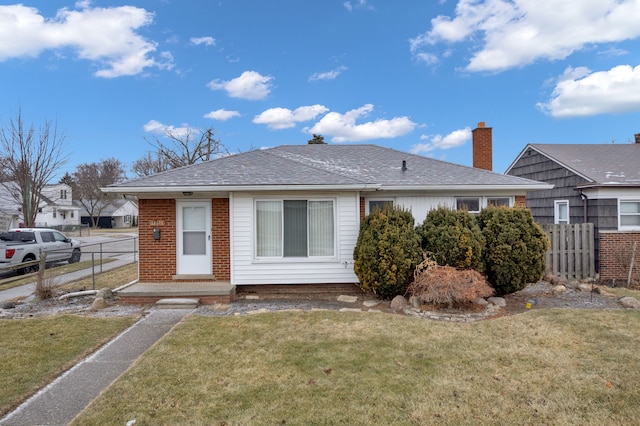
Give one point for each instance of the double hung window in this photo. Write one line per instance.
(629, 214)
(295, 228)
(561, 212)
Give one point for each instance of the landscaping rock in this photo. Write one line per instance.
(370, 303)
(415, 301)
(481, 301)
(98, 303)
(398, 304)
(105, 293)
(586, 287)
(347, 299)
(8, 305)
(559, 289)
(498, 301)
(630, 302)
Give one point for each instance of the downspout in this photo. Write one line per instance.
(585, 202)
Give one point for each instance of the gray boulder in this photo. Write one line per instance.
(105, 293)
(630, 302)
(498, 301)
(398, 303)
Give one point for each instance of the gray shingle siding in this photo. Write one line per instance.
(535, 166)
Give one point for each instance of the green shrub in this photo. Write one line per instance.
(514, 254)
(452, 238)
(387, 251)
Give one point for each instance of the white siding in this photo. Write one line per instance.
(245, 269)
(420, 206)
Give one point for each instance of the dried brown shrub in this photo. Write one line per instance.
(446, 285)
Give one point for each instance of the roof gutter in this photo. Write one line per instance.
(536, 187)
(235, 188)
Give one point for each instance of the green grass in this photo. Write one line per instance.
(542, 367)
(34, 351)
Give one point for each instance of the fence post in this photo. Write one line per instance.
(93, 269)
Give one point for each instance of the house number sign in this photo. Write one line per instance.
(157, 223)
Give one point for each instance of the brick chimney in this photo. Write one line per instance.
(637, 136)
(482, 150)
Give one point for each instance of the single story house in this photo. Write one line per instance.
(596, 183)
(119, 213)
(291, 214)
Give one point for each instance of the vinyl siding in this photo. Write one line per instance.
(249, 271)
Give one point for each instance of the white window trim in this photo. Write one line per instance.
(483, 201)
(282, 258)
(626, 227)
(367, 210)
(556, 211)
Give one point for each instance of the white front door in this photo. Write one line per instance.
(194, 237)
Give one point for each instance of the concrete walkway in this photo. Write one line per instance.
(61, 401)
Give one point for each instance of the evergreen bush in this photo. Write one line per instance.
(452, 238)
(514, 253)
(387, 251)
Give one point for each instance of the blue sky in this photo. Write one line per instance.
(415, 75)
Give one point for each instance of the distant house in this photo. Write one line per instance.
(597, 183)
(119, 213)
(291, 214)
(56, 208)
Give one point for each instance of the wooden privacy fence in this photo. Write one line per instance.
(572, 252)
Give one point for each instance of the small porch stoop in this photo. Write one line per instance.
(178, 294)
(178, 303)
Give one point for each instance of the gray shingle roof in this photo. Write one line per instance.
(326, 165)
(603, 164)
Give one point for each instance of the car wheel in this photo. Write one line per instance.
(28, 269)
(75, 256)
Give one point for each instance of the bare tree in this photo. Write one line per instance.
(178, 149)
(31, 159)
(150, 165)
(89, 178)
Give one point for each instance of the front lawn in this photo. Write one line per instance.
(557, 366)
(35, 351)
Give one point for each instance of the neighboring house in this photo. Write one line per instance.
(597, 183)
(291, 214)
(55, 209)
(119, 213)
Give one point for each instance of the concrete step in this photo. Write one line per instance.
(177, 303)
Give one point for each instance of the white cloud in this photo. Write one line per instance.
(284, 118)
(343, 127)
(580, 92)
(106, 36)
(452, 140)
(358, 4)
(329, 75)
(207, 41)
(157, 127)
(250, 85)
(515, 33)
(222, 114)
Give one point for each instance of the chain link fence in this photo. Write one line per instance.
(95, 259)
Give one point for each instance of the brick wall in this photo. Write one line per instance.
(482, 147)
(362, 209)
(520, 201)
(221, 241)
(615, 255)
(157, 257)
